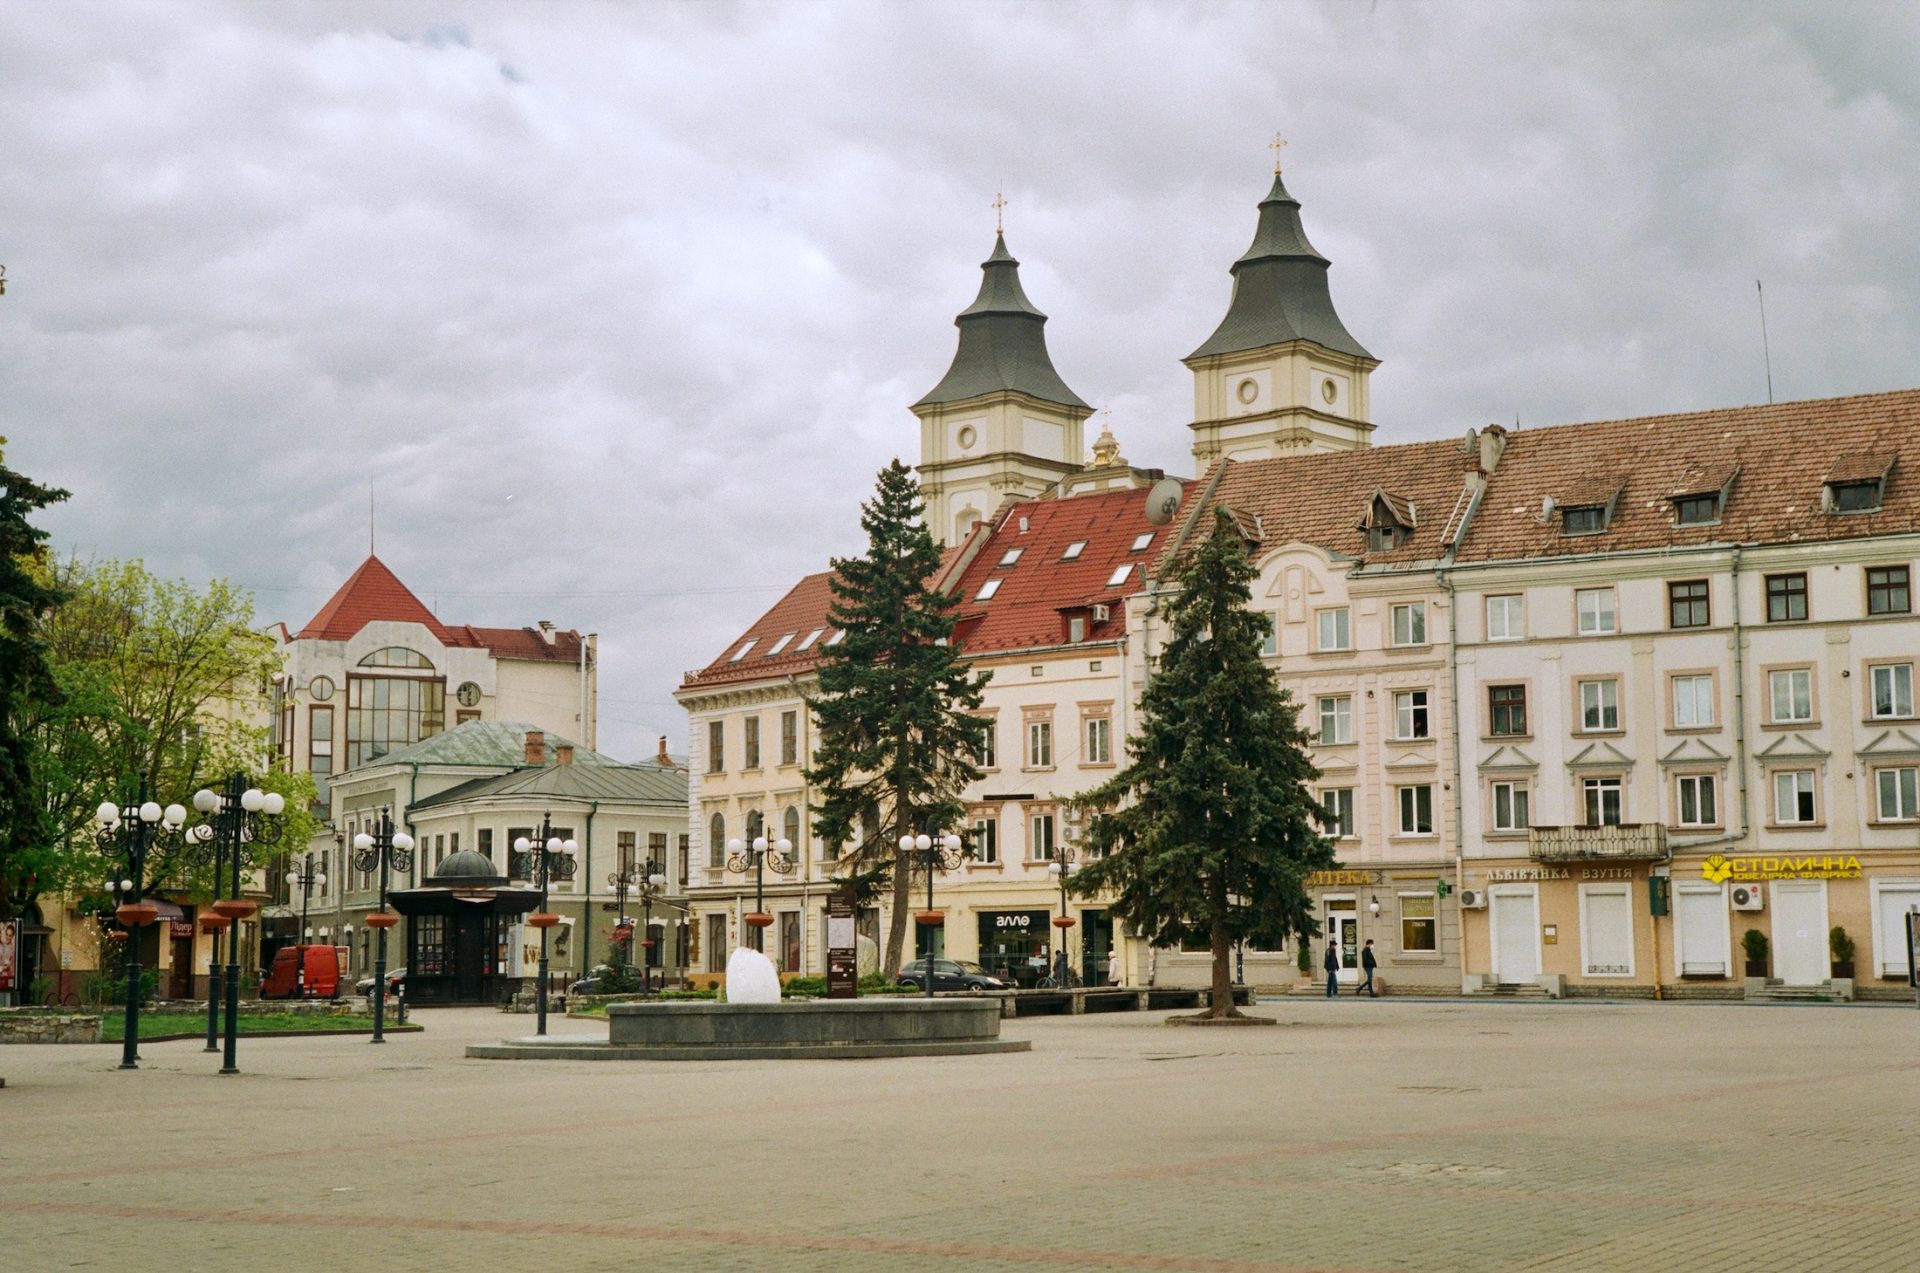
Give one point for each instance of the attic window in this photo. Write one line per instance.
(1074, 550)
(1854, 497)
(741, 653)
(837, 637)
(779, 645)
(1141, 542)
(1696, 510)
(811, 638)
(1382, 539)
(1119, 575)
(1389, 521)
(1583, 519)
(987, 590)
(1012, 555)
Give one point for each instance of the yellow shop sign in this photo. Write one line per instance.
(1335, 879)
(1825, 866)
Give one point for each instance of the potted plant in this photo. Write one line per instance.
(1306, 962)
(1754, 942)
(1842, 947)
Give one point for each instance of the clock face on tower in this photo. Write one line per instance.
(468, 694)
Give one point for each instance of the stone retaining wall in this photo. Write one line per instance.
(18, 1025)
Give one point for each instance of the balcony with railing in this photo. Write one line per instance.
(1624, 842)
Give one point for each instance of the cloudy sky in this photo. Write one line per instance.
(619, 307)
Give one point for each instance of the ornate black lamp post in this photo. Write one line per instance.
(1062, 868)
(239, 815)
(306, 878)
(206, 848)
(551, 859)
(931, 851)
(128, 833)
(621, 880)
(652, 887)
(384, 849)
(759, 855)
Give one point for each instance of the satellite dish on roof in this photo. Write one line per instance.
(1163, 500)
(1546, 509)
(1473, 440)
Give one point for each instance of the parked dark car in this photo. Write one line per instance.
(951, 974)
(396, 977)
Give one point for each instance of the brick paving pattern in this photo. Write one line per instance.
(1357, 1136)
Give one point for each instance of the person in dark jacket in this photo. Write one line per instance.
(1367, 964)
(1332, 964)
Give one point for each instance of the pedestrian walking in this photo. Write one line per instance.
(1367, 964)
(1332, 964)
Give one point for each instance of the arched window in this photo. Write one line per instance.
(717, 841)
(756, 825)
(397, 656)
(790, 829)
(393, 699)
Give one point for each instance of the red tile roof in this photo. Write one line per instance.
(374, 594)
(1780, 456)
(1025, 611)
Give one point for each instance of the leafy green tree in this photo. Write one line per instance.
(893, 711)
(27, 686)
(1210, 832)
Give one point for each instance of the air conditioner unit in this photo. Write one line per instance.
(1100, 613)
(1473, 899)
(1748, 897)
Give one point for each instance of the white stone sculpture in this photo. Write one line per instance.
(751, 978)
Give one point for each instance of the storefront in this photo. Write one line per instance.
(458, 927)
(1403, 911)
(1016, 946)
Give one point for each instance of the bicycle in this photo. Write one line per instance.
(1072, 982)
(54, 999)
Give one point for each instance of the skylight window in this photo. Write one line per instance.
(811, 638)
(779, 645)
(1074, 549)
(1012, 555)
(1140, 542)
(838, 636)
(987, 590)
(741, 653)
(1119, 576)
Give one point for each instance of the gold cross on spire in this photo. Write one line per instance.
(999, 202)
(1275, 146)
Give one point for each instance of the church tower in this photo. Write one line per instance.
(1281, 374)
(1001, 423)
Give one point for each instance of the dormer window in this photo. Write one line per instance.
(1696, 510)
(1854, 497)
(1856, 483)
(1585, 519)
(1382, 539)
(1388, 523)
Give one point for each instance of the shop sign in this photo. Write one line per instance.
(1718, 869)
(9, 953)
(1606, 872)
(179, 928)
(1336, 879)
(1524, 874)
(1013, 919)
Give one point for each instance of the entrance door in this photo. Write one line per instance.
(1516, 958)
(180, 983)
(1096, 950)
(469, 954)
(1800, 932)
(1343, 930)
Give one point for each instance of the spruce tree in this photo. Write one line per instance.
(1210, 832)
(26, 684)
(893, 711)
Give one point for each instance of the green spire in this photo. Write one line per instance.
(1003, 342)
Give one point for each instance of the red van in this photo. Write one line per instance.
(322, 967)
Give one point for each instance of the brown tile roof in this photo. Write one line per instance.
(1025, 611)
(373, 593)
(1784, 453)
(527, 643)
(1325, 500)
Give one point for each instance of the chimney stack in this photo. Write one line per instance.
(546, 631)
(563, 753)
(665, 761)
(536, 747)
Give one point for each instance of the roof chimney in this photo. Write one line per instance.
(1493, 444)
(546, 631)
(536, 747)
(563, 753)
(665, 761)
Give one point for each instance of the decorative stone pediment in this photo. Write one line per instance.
(1892, 744)
(1420, 757)
(1508, 759)
(1793, 747)
(1694, 751)
(1600, 755)
(1336, 762)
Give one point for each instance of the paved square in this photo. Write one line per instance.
(1356, 1136)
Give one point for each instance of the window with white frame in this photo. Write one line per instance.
(1039, 744)
(984, 842)
(1695, 800)
(1599, 705)
(1270, 640)
(1790, 694)
(1510, 800)
(1898, 793)
(987, 590)
(1410, 623)
(986, 753)
(1892, 687)
(1099, 740)
(1337, 804)
(1410, 715)
(1040, 838)
(1335, 629)
(1336, 719)
(1593, 608)
(1416, 810)
(1600, 801)
(1506, 617)
(1692, 702)
(1793, 796)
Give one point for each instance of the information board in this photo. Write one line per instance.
(843, 946)
(9, 953)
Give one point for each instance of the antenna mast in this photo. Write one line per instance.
(1765, 351)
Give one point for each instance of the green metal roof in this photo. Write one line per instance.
(1280, 289)
(485, 742)
(645, 784)
(1003, 342)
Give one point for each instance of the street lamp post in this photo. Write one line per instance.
(385, 848)
(933, 851)
(621, 880)
(131, 832)
(652, 885)
(239, 815)
(759, 855)
(551, 859)
(1062, 868)
(305, 879)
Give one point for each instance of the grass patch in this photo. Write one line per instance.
(158, 1025)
